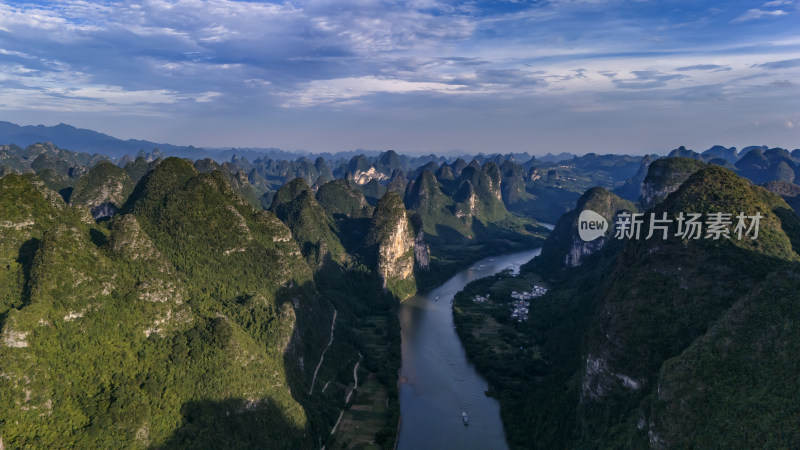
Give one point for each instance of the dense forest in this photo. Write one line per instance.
(161, 302)
(659, 343)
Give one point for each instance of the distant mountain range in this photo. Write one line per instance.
(81, 139)
(187, 302)
(84, 140)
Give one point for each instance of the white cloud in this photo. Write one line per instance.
(753, 14)
(248, 58)
(349, 89)
(27, 89)
(14, 53)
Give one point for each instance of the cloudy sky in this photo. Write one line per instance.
(415, 75)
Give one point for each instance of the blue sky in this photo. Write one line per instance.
(416, 76)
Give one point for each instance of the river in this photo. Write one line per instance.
(437, 380)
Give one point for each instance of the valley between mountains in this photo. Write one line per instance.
(251, 301)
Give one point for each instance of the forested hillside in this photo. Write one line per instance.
(658, 343)
(188, 319)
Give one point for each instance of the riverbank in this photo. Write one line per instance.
(448, 258)
(438, 380)
(500, 342)
(371, 415)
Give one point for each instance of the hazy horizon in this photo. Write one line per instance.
(376, 151)
(417, 76)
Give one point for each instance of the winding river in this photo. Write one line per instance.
(437, 380)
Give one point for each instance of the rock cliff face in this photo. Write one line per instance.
(422, 252)
(564, 247)
(103, 210)
(495, 180)
(466, 201)
(664, 177)
(481, 190)
(365, 176)
(397, 183)
(581, 249)
(393, 253)
(104, 189)
(393, 242)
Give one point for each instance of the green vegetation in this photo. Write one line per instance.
(241, 184)
(390, 246)
(672, 171)
(464, 219)
(554, 187)
(463, 209)
(24, 216)
(373, 191)
(104, 183)
(339, 197)
(363, 425)
(563, 247)
(402, 288)
(58, 169)
(498, 344)
(670, 343)
(664, 176)
(389, 211)
(313, 229)
(57, 182)
(142, 325)
(189, 320)
(367, 324)
(448, 258)
(138, 168)
(194, 318)
(370, 419)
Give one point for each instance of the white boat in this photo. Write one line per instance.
(465, 418)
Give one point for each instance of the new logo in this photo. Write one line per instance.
(591, 225)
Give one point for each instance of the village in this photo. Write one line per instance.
(520, 303)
